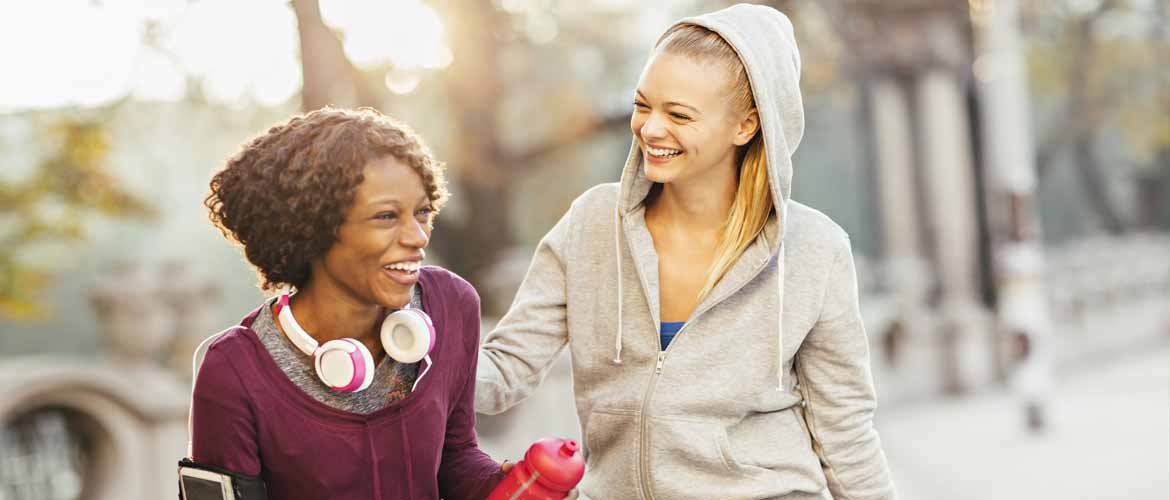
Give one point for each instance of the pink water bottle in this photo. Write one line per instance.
(551, 468)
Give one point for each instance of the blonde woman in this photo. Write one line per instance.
(717, 347)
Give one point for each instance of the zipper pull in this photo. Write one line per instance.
(661, 356)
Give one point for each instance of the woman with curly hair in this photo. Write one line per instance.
(339, 388)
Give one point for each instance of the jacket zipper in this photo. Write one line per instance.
(644, 441)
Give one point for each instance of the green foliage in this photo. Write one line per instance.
(50, 206)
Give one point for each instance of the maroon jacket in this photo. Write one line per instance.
(248, 417)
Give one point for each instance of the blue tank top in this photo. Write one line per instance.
(669, 330)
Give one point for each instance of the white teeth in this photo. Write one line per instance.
(409, 267)
(663, 153)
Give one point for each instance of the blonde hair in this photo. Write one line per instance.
(753, 197)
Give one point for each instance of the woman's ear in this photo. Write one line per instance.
(747, 128)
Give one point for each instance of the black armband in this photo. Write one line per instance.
(204, 482)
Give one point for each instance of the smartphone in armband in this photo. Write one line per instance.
(197, 484)
(202, 482)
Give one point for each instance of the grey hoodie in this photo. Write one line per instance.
(737, 406)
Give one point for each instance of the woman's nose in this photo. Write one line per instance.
(652, 128)
(416, 235)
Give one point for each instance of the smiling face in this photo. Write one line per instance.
(379, 246)
(683, 120)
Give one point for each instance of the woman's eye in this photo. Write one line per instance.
(680, 116)
(387, 215)
(424, 213)
(640, 105)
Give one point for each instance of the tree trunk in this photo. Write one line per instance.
(328, 76)
(1096, 185)
(1082, 115)
(473, 245)
(1081, 108)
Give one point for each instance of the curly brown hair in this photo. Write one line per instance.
(284, 195)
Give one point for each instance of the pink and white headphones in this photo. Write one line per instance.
(345, 365)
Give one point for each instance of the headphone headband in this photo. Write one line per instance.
(299, 337)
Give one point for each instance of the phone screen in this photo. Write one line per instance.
(201, 489)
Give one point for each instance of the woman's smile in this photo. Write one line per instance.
(405, 272)
(660, 156)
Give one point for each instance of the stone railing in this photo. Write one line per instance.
(1108, 294)
(114, 426)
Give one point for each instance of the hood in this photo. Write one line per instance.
(763, 37)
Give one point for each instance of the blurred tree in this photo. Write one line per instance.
(1102, 65)
(328, 76)
(50, 206)
(483, 169)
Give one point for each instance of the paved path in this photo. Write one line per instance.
(1109, 439)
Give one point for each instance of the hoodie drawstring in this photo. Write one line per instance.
(617, 343)
(780, 319)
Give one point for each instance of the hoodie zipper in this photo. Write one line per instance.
(644, 441)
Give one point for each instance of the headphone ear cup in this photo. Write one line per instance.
(345, 365)
(408, 335)
(432, 336)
